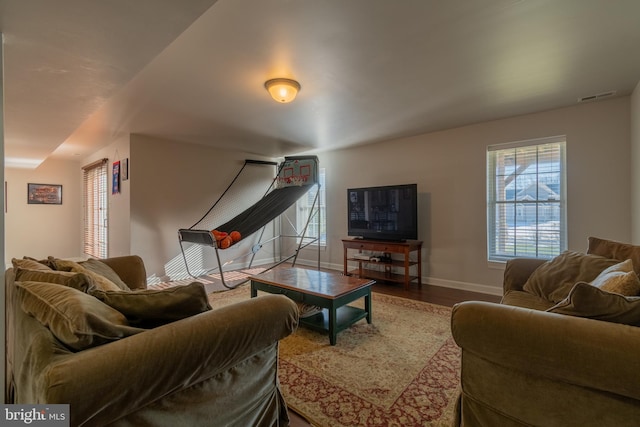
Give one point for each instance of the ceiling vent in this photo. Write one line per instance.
(597, 97)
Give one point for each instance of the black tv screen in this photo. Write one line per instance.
(383, 213)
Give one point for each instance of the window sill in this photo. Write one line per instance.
(496, 265)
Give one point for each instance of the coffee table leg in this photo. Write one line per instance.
(332, 325)
(367, 307)
(254, 291)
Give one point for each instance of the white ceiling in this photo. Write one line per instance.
(80, 73)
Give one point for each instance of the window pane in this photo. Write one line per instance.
(525, 197)
(95, 183)
(550, 156)
(305, 208)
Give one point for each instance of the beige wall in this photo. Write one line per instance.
(172, 186)
(450, 170)
(635, 160)
(42, 230)
(118, 204)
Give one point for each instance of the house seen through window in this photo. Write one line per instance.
(526, 199)
(95, 188)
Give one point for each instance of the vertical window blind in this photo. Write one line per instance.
(304, 206)
(526, 199)
(95, 183)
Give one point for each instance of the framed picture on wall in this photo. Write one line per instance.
(124, 169)
(115, 184)
(44, 194)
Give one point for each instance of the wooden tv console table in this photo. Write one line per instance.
(381, 246)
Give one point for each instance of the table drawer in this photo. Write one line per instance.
(294, 295)
(379, 247)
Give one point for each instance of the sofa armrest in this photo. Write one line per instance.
(584, 352)
(135, 371)
(517, 271)
(131, 270)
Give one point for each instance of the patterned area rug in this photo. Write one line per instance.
(402, 370)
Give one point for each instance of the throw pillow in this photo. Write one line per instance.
(554, 279)
(615, 250)
(157, 306)
(79, 281)
(104, 270)
(99, 281)
(29, 264)
(41, 261)
(619, 278)
(586, 300)
(76, 319)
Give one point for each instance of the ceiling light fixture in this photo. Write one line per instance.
(282, 90)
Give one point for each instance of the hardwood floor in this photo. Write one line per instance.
(433, 294)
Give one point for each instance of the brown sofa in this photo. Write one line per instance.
(218, 367)
(525, 366)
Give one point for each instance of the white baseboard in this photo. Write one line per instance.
(465, 286)
(325, 265)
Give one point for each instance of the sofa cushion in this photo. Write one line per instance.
(79, 281)
(158, 306)
(99, 281)
(104, 270)
(526, 300)
(78, 320)
(554, 279)
(45, 262)
(586, 300)
(615, 250)
(29, 264)
(619, 278)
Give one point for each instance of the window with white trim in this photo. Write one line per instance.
(303, 209)
(526, 199)
(95, 188)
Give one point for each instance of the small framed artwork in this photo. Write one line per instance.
(125, 169)
(44, 194)
(115, 182)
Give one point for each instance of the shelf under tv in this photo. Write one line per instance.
(381, 276)
(383, 246)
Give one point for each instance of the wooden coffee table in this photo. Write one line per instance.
(330, 291)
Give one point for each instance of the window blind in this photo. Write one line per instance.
(526, 199)
(95, 185)
(304, 206)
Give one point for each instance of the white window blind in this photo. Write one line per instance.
(304, 206)
(95, 183)
(526, 199)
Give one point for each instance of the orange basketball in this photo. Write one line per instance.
(235, 236)
(225, 242)
(218, 234)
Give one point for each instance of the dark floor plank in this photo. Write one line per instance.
(433, 294)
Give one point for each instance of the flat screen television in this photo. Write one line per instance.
(383, 213)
